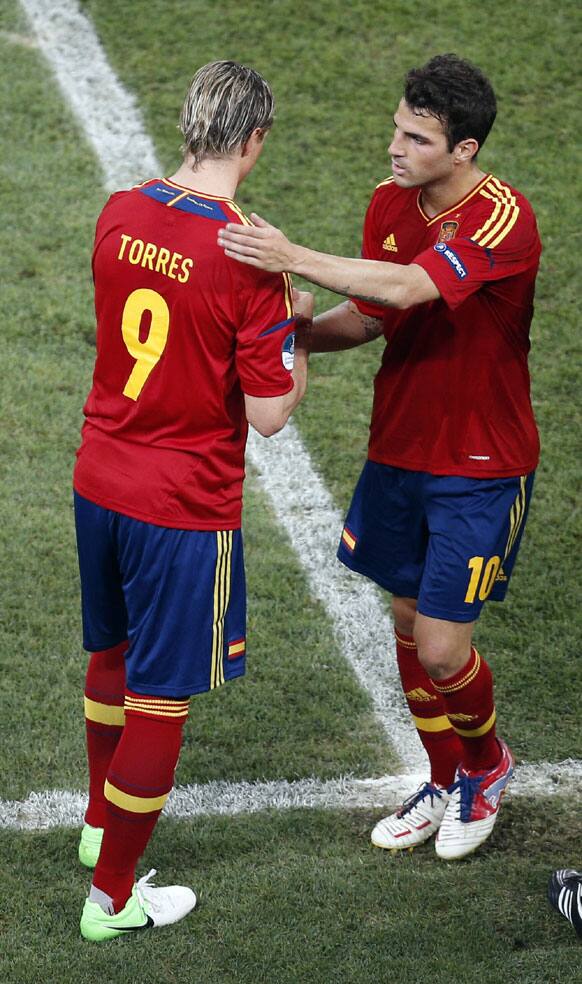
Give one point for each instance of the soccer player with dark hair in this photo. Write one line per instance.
(450, 257)
(190, 348)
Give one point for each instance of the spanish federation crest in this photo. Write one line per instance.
(448, 231)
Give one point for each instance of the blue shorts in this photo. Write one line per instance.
(449, 542)
(178, 596)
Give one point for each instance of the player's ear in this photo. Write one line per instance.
(465, 150)
(255, 140)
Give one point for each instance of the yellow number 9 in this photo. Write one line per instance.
(148, 353)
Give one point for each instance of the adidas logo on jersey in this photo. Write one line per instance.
(419, 694)
(390, 243)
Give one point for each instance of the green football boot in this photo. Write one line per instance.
(146, 908)
(90, 845)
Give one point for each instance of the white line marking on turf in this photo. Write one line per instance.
(305, 510)
(106, 111)
(56, 808)
(303, 506)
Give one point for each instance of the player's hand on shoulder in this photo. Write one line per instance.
(261, 245)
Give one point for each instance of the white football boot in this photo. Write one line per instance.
(473, 807)
(418, 818)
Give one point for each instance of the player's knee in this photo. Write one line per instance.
(440, 657)
(435, 659)
(404, 612)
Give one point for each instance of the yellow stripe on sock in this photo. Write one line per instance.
(432, 724)
(477, 732)
(111, 714)
(160, 708)
(134, 804)
(451, 688)
(407, 643)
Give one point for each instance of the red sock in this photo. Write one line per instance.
(139, 781)
(428, 711)
(468, 699)
(104, 719)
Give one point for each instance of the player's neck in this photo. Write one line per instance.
(442, 195)
(219, 178)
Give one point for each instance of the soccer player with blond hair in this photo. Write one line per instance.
(191, 348)
(450, 257)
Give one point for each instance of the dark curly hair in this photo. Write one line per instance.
(456, 93)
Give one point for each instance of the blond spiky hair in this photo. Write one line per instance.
(224, 104)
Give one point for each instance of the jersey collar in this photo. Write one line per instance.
(437, 218)
(199, 194)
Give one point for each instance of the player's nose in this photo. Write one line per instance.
(395, 147)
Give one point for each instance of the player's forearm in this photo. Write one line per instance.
(299, 375)
(342, 327)
(389, 284)
(370, 280)
(292, 399)
(268, 415)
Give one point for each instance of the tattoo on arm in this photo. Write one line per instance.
(372, 327)
(348, 290)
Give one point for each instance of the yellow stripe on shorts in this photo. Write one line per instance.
(221, 599)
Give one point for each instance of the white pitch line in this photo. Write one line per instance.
(106, 111)
(305, 510)
(56, 808)
(302, 505)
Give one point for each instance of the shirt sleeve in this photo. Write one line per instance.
(484, 255)
(265, 340)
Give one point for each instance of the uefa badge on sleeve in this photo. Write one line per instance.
(288, 351)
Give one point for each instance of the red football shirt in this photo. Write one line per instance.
(452, 396)
(182, 333)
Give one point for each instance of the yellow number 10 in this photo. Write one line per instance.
(148, 353)
(485, 582)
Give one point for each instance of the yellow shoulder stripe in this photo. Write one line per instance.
(288, 294)
(240, 214)
(503, 216)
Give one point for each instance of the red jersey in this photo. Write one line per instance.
(182, 333)
(452, 396)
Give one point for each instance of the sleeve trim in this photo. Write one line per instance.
(268, 391)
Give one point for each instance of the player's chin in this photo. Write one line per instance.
(403, 179)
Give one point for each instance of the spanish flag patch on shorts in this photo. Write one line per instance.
(349, 539)
(236, 648)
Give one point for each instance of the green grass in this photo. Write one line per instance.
(303, 898)
(298, 896)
